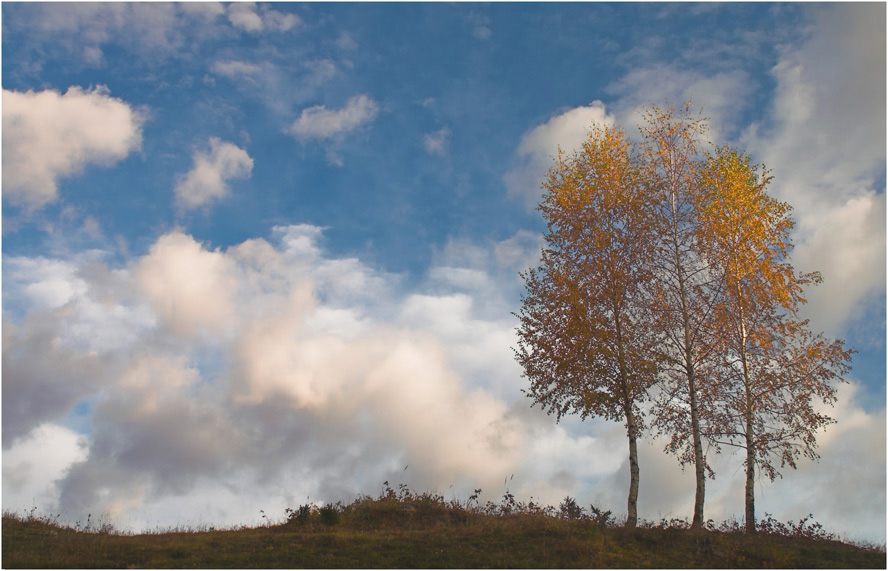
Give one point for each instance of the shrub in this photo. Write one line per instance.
(301, 515)
(330, 514)
(600, 517)
(569, 509)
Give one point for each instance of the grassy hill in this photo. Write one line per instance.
(409, 531)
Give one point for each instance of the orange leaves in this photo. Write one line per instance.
(588, 292)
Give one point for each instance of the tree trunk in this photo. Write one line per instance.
(750, 419)
(632, 430)
(750, 482)
(699, 471)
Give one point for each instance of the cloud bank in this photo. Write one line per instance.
(826, 145)
(237, 367)
(215, 383)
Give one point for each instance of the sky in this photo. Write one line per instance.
(255, 255)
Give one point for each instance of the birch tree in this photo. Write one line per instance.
(772, 370)
(685, 290)
(585, 337)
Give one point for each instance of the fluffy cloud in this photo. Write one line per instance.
(825, 143)
(539, 145)
(190, 288)
(268, 354)
(32, 466)
(48, 135)
(255, 376)
(208, 178)
(318, 122)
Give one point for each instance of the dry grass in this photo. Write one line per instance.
(403, 530)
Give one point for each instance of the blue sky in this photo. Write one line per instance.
(254, 253)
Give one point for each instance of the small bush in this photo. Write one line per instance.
(330, 514)
(569, 509)
(600, 517)
(301, 515)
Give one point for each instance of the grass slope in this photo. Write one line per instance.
(424, 532)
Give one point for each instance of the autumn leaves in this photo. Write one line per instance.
(665, 299)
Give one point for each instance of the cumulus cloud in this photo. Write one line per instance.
(825, 142)
(48, 136)
(188, 287)
(207, 180)
(540, 144)
(268, 354)
(318, 122)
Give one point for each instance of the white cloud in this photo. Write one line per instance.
(190, 288)
(318, 122)
(48, 136)
(208, 178)
(540, 145)
(243, 15)
(301, 332)
(33, 465)
(47, 283)
(435, 143)
(825, 143)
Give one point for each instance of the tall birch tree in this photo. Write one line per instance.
(685, 290)
(772, 370)
(585, 337)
